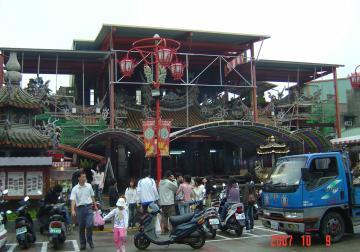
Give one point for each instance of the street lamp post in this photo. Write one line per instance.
(155, 51)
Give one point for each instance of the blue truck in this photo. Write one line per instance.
(312, 194)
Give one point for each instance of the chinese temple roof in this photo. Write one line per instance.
(22, 136)
(15, 96)
(272, 147)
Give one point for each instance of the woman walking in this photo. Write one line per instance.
(185, 192)
(132, 200)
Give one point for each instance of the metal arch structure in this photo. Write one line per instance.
(131, 140)
(314, 141)
(243, 133)
(251, 135)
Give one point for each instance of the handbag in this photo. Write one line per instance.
(180, 196)
(98, 220)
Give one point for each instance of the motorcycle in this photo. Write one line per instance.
(57, 227)
(24, 226)
(187, 229)
(3, 221)
(234, 219)
(211, 216)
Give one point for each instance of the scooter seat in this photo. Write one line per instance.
(176, 220)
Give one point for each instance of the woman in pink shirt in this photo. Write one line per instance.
(185, 191)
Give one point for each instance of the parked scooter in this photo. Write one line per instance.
(24, 226)
(3, 220)
(57, 227)
(235, 217)
(187, 229)
(211, 216)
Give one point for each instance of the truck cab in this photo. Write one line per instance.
(312, 193)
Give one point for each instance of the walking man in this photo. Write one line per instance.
(147, 191)
(82, 200)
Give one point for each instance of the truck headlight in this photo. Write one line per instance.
(294, 215)
(266, 213)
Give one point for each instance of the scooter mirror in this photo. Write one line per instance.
(5, 191)
(26, 198)
(8, 212)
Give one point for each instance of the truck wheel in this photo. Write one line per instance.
(333, 225)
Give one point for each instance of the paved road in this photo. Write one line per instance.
(261, 239)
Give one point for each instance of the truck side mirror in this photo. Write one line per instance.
(305, 174)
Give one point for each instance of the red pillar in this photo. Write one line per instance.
(253, 74)
(157, 120)
(337, 110)
(1, 70)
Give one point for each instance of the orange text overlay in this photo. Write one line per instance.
(287, 240)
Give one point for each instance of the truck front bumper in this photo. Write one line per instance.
(288, 227)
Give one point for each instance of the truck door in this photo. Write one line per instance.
(326, 186)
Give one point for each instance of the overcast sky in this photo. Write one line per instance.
(307, 30)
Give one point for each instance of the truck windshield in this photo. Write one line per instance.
(287, 171)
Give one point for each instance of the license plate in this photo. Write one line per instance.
(274, 225)
(214, 221)
(55, 230)
(21, 230)
(240, 216)
(215, 226)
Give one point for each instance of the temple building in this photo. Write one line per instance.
(24, 167)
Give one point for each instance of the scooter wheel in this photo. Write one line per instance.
(199, 243)
(56, 243)
(141, 242)
(213, 233)
(239, 231)
(26, 244)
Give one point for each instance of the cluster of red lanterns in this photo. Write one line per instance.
(163, 55)
(355, 79)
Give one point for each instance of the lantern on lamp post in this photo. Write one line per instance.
(155, 51)
(355, 79)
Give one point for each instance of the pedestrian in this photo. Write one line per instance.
(121, 221)
(167, 189)
(82, 201)
(179, 179)
(198, 191)
(147, 191)
(113, 193)
(132, 200)
(98, 182)
(249, 202)
(232, 196)
(209, 191)
(184, 194)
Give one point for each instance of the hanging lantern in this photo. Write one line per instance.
(127, 66)
(177, 70)
(355, 79)
(165, 56)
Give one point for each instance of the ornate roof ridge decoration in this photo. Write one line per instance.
(12, 95)
(22, 136)
(272, 147)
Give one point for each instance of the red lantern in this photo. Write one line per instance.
(127, 66)
(177, 70)
(165, 56)
(355, 79)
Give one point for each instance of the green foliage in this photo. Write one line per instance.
(13, 215)
(86, 163)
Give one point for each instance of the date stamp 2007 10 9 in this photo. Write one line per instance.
(287, 240)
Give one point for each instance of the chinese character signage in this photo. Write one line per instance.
(34, 183)
(16, 183)
(149, 137)
(164, 137)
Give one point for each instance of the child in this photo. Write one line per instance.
(120, 215)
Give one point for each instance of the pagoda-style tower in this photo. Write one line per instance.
(22, 147)
(272, 148)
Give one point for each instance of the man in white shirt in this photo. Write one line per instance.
(82, 197)
(147, 191)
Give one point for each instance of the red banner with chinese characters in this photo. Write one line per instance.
(149, 137)
(164, 137)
